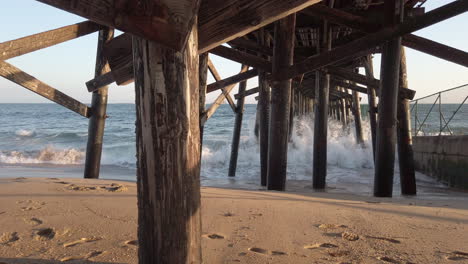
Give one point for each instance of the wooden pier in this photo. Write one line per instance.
(306, 55)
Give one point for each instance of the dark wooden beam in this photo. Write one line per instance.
(29, 82)
(247, 93)
(361, 47)
(251, 45)
(231, 80)
(99, 81)
(237, 131)
(222, 21)
(21, 46)
(166, 22)
(242, 57)
(365, 80)
(412, 41)
(217, 77)
(219, 100)
(118, 53)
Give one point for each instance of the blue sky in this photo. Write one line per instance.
(69, 65)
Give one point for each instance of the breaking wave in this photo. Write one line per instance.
(48, 155)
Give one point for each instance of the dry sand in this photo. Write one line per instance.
(94, 221)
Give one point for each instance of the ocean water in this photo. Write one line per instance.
(49, 140)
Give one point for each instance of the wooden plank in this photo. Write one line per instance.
(231, 80)
(217, 77)
(166, 22)
(168, 152)
(29, 82)
(222, 21)
(21, 46)
(283, 55)
(120, 57)
(98, 114)
(412, 41)
(361, 47)
(242, 57)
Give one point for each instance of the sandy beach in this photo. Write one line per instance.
(51, 220)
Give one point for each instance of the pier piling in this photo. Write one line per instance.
(280, 100)
(97, 118)
(237, 130)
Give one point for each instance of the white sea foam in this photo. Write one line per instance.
(48, 155)
(25, 133)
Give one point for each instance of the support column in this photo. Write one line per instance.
(237, 130)
(291, 113)
(203, 75)
(404, 139)
(386, 127)
(264, 104)
(168, 151)
(344, 118)
(97, 119)
(357, 118)
(280, 99)
(372, 100)
(322, 87)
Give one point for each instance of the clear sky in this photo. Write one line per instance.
(69, 65)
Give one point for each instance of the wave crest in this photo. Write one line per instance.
(48, 155)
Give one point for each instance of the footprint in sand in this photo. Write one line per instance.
(457, 255)
(331, 226)
(339, 253)
(388, 260)
(81, 241)
(91, 254)
(267, 252)
(114, 187)
(8, 238)
(131, 242)
(214, 236)
(44, 234)
(391, 240)
(259, 250)
(320, 245)
(33, 221)
(349, 236)
(228, 214)
(62, 182)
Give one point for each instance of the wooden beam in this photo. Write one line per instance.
(362, 79)
(242, 57)
(237, 131)
(231, 80)
(118, 53)
(360, 47)
(166, 22)
(217, 77)
(247, 93)
(99, 81)
(436, 49)
(215, 105)
(222, 21)
(412, 41)
(21, 46)
(29, 82)
(251, 45)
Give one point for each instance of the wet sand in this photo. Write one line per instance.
(52, 220)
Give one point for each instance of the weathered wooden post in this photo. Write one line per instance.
(371, 97)
(404, 139)
(344, 118)
(168, 151)
(280, 99)
(264, 105)
(291, 113)
(97, 119)
(386, 126)
(322, 87)
(357, 117)
(203, 75)
(237, 130)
